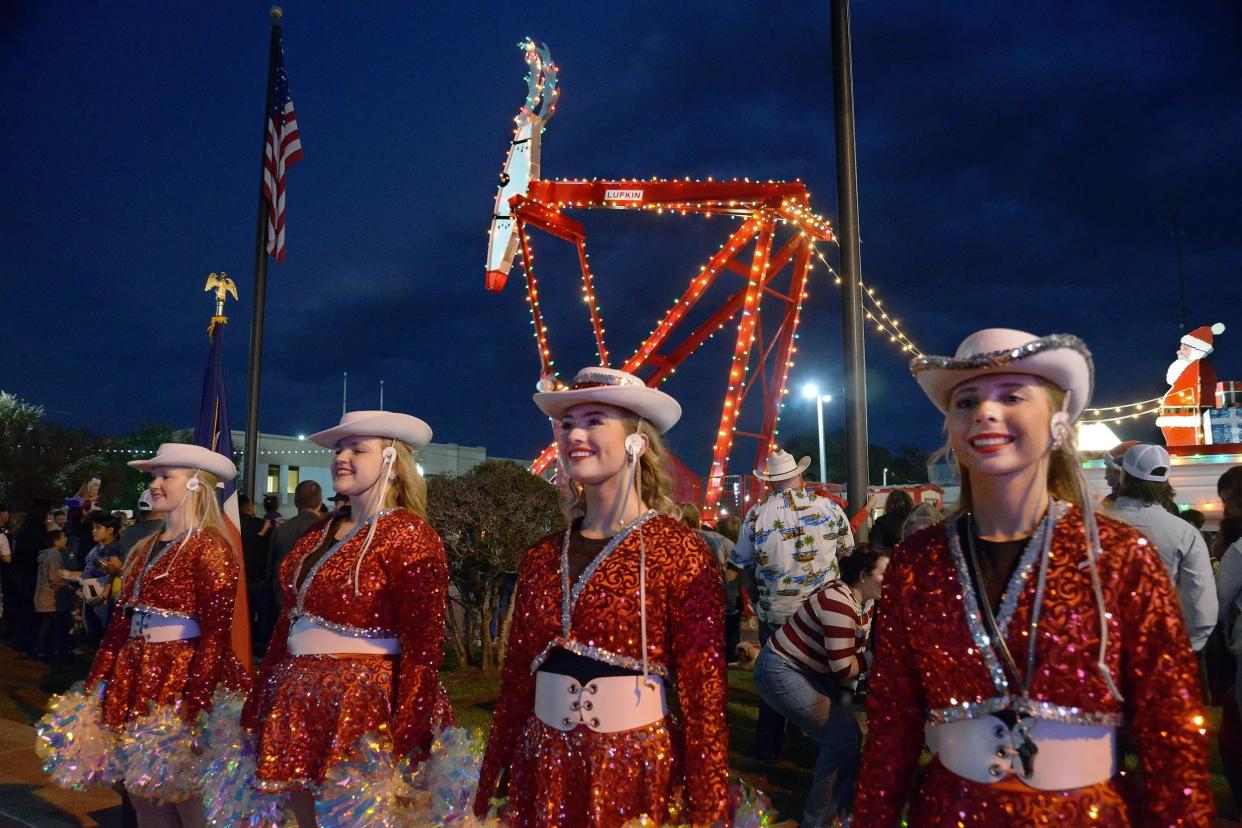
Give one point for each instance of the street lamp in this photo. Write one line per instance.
(811, 391)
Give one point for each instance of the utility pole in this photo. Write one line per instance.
(856, 452)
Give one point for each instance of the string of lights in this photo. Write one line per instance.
(883, 321)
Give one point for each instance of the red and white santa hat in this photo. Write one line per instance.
(1201, 338)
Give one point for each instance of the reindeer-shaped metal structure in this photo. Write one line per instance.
(772, 273)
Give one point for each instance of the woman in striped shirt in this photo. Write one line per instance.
(800, 672)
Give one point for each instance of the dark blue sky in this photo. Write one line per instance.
(1017, 167)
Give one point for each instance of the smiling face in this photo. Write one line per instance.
(1000, 424)
(358, 464)
(591, 439)
(168, 488)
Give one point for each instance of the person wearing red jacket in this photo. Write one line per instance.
(1018, 636)
(608, 615)
(168, 644)
(357, 651)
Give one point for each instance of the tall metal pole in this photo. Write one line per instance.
(823, 457)
(344, 392)
(260, 282)
(381, 395)
(851, 260)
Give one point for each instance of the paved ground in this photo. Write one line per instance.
(28, 797)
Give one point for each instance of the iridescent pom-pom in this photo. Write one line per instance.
(219, 729)
(158, 756)
(449, 777)
(228, 799)
(751, 806)
(75, 748)
(367, 790)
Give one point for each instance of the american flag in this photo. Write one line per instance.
(284, 149)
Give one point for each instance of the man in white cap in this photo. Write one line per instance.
(149, 522)
(790, 540)
(1144, 484)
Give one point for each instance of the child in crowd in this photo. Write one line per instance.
(53, 636)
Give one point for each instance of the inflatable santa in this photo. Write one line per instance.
(1192, 389)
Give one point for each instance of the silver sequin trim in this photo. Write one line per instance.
(1026, 707)
(1000, 359)
(344, 629)
(150, 563)
(971, 606)
(336, 547)
(279, 786)
(1026, 564)
(141, 608)
(615, 659)
(569, 598)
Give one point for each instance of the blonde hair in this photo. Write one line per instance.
(205, 515)
(409, 490)
(1063, 481)
(655, 487)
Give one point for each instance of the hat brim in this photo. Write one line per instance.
(216, 464)
(1060, 359)
(652, 404)
(403, 427)
(785, 475)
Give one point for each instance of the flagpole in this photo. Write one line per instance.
(260, 281)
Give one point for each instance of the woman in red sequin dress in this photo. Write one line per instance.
(358, 647)
(170, 641)
(1020, 634)
(605, 614)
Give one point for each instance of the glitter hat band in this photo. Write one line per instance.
(1061, 359)
(611, 387)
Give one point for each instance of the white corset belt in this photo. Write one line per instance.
(157, 628)
(609, 704)
(308, 638)
(985, 750)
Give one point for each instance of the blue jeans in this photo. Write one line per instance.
(770, 728)
(809, 701)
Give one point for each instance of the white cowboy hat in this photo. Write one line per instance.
(186, 456)
(612, 387)
(780, 465)
(389, 424)
(1061, 359)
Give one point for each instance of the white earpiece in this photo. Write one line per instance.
(390, 454)
(635, 445)
(193, 484)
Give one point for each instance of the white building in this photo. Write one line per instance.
(286, 461)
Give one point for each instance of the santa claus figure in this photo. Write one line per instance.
(1192, 388)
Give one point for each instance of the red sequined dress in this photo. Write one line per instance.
(585, 778)
(935, 665)
(308, 711)
(195, 580)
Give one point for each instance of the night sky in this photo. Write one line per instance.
(1018, 167)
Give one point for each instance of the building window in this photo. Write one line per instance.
(273, 479)
(295, 477)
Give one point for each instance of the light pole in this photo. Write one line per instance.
(811, 390)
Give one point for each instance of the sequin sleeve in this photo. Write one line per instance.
(419, 590)
(114, 638)
(216, 571)
(1163, 703)
(696, 627)
(896, 706)
(517, 686)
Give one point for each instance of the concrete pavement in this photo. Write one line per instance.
(29, 798)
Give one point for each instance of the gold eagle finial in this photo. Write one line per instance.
(223, 287)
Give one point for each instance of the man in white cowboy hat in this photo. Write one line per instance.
(791, 541)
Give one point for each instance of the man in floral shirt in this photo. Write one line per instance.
(791, 540)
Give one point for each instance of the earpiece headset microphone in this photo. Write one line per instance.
(193, 484)
(386, 475)
(635, 445)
